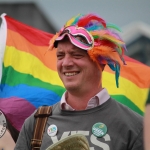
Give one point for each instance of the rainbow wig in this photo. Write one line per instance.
(104, 45)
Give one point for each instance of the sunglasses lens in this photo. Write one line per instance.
(81, 39)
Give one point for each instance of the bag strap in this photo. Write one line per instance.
(41, 117)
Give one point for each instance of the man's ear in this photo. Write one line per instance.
(102, 66)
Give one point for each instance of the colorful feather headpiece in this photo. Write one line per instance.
(103, 44)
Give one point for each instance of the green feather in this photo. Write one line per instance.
(109, 25)
(95, 36)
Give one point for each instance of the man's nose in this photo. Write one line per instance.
(67, 61)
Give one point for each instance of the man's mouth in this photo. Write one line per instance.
(71, 73)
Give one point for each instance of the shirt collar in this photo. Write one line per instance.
(97, 100)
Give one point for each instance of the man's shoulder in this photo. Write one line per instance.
(125, 110)
(30, 119)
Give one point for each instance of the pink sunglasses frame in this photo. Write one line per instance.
(72, 32)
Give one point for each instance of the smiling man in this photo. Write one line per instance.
(84, 46)
(75, 69)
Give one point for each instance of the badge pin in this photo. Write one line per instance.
(99, 129)
(3, 124)
(52, 130)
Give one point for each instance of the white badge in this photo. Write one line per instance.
(3, 124)
(52, 130)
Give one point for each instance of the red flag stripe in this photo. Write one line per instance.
(33, 35)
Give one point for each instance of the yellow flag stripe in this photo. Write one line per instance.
(26, 63)
(127, 88)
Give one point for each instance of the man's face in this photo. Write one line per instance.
(75, 68)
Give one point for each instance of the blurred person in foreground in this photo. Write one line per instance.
(9, 136)
(83, 47)
(147, 124)
(6, 141)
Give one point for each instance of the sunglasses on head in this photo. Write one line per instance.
(78, 36)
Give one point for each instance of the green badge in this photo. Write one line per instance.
(99, 129)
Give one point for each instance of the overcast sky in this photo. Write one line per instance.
(120, 12)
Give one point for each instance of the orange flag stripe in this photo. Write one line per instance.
(39, 51)
(35, 36)
(134, 72)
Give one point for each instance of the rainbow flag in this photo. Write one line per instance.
(134, 84)
(29, 77)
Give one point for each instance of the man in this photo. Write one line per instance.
(84, 46)
(147, 124)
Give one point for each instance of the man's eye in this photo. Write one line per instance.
(78, 56)
(60, 56)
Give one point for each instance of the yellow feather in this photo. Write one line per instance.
(69, 22)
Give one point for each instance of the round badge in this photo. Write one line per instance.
(52, 130)
(3, 124)
(99, 129)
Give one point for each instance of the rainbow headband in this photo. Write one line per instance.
(91, 33)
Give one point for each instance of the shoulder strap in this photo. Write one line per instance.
(41, 117)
